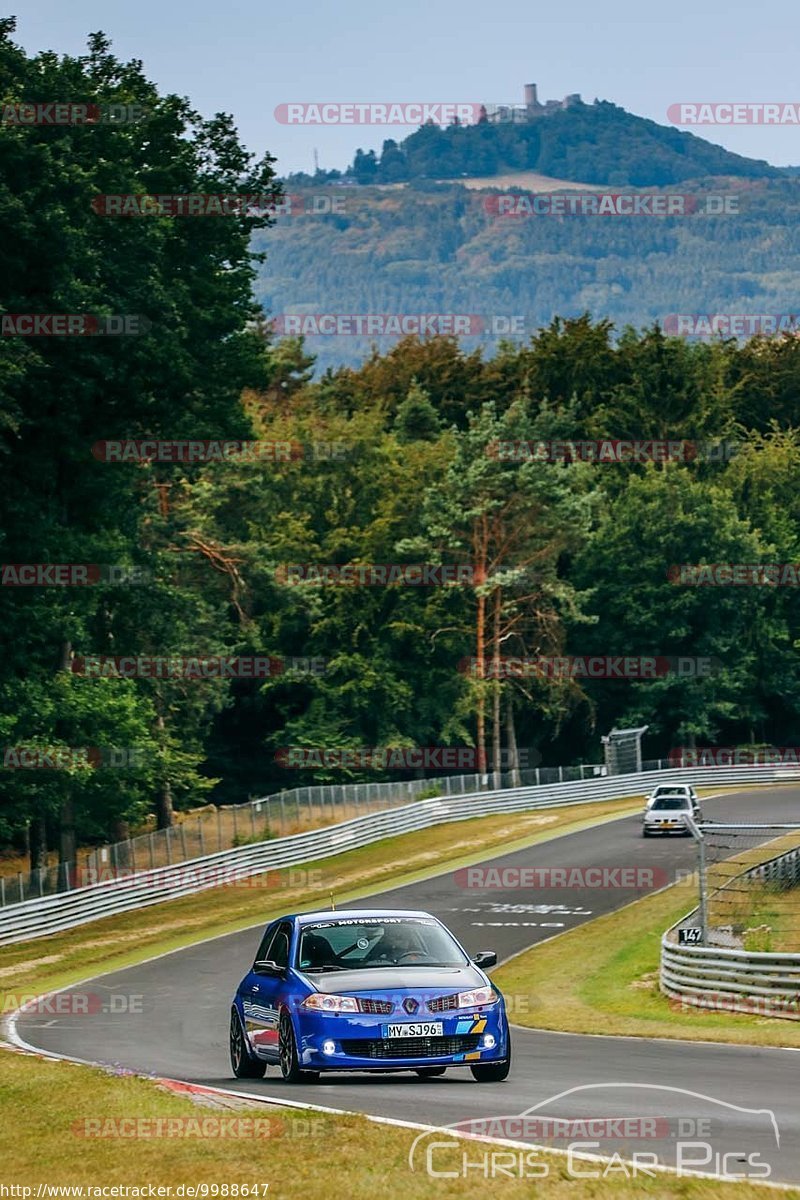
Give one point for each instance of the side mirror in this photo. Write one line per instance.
(265, 966)
(485, 958)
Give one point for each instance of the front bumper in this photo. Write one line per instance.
(356, 1042)
(678, 826)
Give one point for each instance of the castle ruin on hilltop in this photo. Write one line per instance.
(519, 114)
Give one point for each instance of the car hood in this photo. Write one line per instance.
(401, 979)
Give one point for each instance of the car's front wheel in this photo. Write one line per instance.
(242, 1065)
(494, 1072)
(287, 1052)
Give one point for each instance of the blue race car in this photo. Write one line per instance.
(361, 990)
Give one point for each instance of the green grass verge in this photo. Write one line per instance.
(603, 978)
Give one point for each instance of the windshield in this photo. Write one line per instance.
(384, 942)
(670, 802)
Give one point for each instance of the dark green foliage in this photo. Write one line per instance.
(569, 558)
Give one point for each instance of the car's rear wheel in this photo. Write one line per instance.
(287, 1053)
(494, 1072)
(242, 1064)
(430, 1072)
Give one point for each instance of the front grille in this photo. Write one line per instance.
(366, 1005)
(443, 1003)
(420, 1047)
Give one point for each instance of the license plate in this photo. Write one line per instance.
(413, 1030)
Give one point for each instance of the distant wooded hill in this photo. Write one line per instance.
(588, 143)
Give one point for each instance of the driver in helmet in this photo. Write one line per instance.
(396, 942)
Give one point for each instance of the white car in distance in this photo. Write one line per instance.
(668, 813)
(672, 789)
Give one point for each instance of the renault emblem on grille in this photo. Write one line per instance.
(410, 1005)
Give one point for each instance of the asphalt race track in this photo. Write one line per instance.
(182, 1029)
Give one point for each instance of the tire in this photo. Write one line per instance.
(430, 1072)
(243, 1065)
(287, 1051)
(494, 1072)
(645, 833)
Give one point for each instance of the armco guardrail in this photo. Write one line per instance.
(51, 914)
(222, 827)
(729, 979)
(784, 868)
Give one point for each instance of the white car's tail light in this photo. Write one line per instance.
(323, 1002)
(484, 995)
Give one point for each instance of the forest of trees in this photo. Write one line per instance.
(393, 462)
(443, 249)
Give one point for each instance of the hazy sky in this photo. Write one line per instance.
(246, 57)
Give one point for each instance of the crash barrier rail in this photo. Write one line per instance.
(295, 810)
(784, 868)
(725, 978)
(139, 889)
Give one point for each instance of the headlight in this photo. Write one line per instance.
(322, 1002)
(484, 995)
